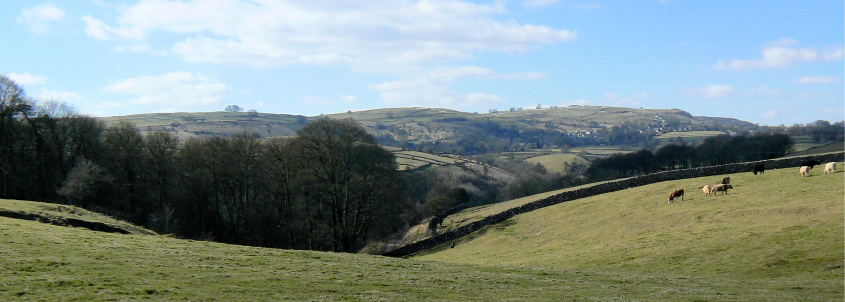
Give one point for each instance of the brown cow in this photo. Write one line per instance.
(720, 187)
(706, 189)
(676, 194)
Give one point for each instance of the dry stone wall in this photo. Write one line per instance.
(611, 186)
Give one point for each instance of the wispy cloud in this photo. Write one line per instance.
(100, 31)
(39, 17)
(183, 88)
(816, 79)
(366, 35)
(633, 100)
(26, 78)
(770, 114)
(62, 96)
(782, 53)
(433, 87)
(712, 91)
(539, 3)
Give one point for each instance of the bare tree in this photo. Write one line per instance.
(161, 148)
(353, 176)
(125, 153)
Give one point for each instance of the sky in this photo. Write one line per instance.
(767, 62)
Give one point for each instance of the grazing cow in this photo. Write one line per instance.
(811, 163)
(706, 189)
(676, 194)
(726, 180)
(830, 167)
(720, 187)
(805, 171)
(759, 168)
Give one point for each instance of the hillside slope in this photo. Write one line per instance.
(42, 262)
(777, 226)
(67, 215)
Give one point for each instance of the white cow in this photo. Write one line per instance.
(830, 167)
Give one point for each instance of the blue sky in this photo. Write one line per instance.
(767, 62)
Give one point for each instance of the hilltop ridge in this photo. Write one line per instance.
(418, 127)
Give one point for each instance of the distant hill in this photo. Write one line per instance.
(428, 126)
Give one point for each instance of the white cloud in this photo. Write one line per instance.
(100, 31)
(712, 91)
(782, 53)
(633, 100)
(183, 88)
(770, 114)
(765, 91)
(538, 3)
(26, 78)
(816, 79)
(62, 96)
(432, 87)
(348, 98)
(39, 17)
(364, 34)
(421, 92)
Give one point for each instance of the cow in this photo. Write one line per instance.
(759, 168)
(726, 180)
(676, 194)
(811, 163)
(720, 187)
(706, 189)
(805, 171)
(830, 167)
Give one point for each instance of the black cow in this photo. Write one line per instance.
(759, 168)
(811, 163)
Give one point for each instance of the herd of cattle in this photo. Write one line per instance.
(726, 182)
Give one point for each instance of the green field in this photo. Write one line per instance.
(559, 163)
(64, 215)
(774, 237)
(42, 262)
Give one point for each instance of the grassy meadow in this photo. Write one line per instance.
(558, 163)
(43, 262)
(60, 214)
(775, 236)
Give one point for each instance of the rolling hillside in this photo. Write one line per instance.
(67, 215)
(44, 262)
(775, 237)
(779, 230)
(422, 126)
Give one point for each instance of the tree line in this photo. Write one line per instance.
(330, 188)
(718, 150)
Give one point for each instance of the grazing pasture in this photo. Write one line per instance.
(559, 163)
(43, 262)
(777, 235)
